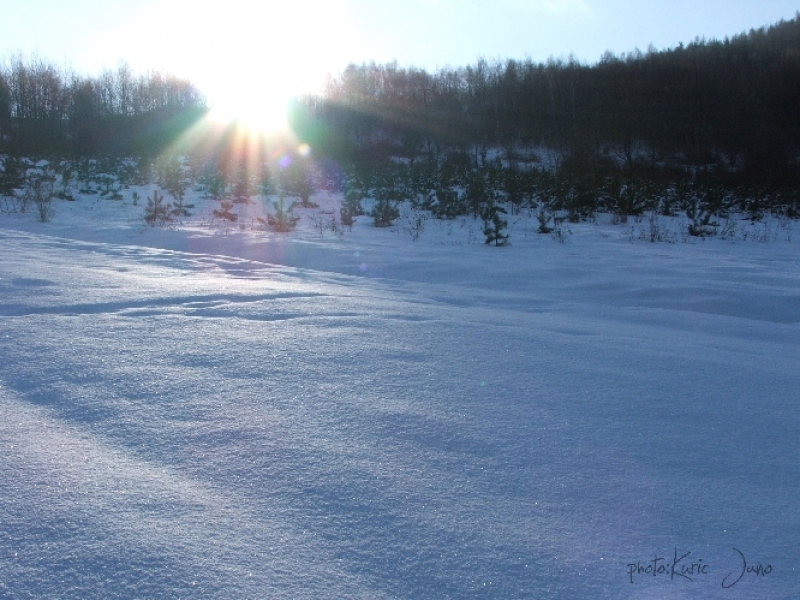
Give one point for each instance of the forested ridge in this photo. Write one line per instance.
(735, 101)
(737, 98)
(47, 111)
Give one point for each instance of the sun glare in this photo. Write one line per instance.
(258, 111)
(248, 57)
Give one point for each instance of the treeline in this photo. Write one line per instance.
(48, 111)
(733, 104)
(730, 106)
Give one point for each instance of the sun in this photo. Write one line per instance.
(260, 110)
(253, 91)
(249, 58)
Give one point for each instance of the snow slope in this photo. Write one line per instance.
(201, 412)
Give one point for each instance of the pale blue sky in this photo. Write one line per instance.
(293, 43)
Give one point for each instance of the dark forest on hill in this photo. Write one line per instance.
(734, 102)
(46, 112)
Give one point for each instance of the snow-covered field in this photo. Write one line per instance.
(211, 412)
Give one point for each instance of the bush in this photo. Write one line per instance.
(39, 192)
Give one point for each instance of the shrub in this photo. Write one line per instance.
(39, 192)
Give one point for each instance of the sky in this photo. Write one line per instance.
(293, 44)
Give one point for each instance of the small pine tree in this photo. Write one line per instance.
(180, 208)
(65, 189)
(157, 212)
(494, 225)
(353, 194)
(704, 206)
(300, 184)
(449, 204)
(226, 213)
(283, 220)
(11, 175)
(384, 212)
(243, 188)
(173, 180)
(544, 217)
(347, 215)
(214, 182)
(513, 186)
(477, 192)
(388, 192)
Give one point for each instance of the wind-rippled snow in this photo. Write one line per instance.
(192, 415)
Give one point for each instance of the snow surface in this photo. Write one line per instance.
(209, 412)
